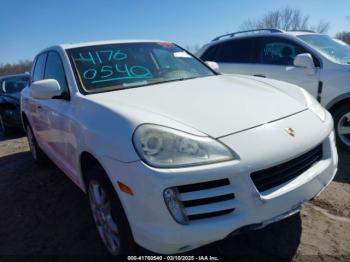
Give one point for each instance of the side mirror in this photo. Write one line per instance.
(45, 89)
(213, 65)
(304, 60)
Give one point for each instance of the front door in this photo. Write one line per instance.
(275, 60)
(59, 110)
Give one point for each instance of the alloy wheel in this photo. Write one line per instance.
(102, 214)
(344, 128)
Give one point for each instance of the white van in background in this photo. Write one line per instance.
(313, 61)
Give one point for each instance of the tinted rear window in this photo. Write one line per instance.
(210, 53)
(236, 51)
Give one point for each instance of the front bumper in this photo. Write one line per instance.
(155, 229)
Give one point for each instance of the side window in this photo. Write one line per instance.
(236, 51)
(278, 51)
(210, 53)
(38, 73)
(54, 70)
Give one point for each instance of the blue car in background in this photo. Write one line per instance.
(10, 91)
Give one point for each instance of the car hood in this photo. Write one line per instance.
(217, 105)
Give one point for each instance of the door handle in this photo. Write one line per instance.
(259, 75)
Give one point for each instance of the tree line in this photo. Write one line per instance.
(16, 68)
(287, 19)
(290, 19)
(344, 36)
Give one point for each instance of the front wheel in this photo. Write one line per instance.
(108, 214)
(342, 126)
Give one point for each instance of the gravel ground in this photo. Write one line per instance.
(43, 213)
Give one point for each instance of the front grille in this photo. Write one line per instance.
(206, 199)
(203, 185)
(277, 175)
(209, 215)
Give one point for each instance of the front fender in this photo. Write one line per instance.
(336, 100)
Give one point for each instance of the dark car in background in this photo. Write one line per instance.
(10, 91)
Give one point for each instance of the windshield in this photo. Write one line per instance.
(119, 66)
(332, 49)
(13, 85)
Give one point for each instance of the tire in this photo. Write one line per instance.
(38, 155)
(341, 117)
(3, 128)
(108, 214)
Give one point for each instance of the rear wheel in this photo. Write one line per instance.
(342, 126)
(110, 219)
(37, 154)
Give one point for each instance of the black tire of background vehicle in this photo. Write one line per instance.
(3, 128)
(337, 116)
(127, 244)
(39, 156)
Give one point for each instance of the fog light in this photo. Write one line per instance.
(174, 205)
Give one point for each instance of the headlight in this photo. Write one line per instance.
(314, 105)
(160, 146)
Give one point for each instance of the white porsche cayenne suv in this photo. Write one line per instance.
(171, 154)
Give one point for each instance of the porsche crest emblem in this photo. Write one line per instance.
(290, 131)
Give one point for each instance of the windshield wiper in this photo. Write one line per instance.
(141, 83)
(134, 84)
(150, 82)
(177, 79)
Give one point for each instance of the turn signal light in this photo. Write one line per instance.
(125, 188)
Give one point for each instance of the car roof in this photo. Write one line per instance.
(105, 42)
(298, 33)
(261, 33)
(14, 76)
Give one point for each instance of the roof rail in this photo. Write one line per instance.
(271, 30)
(302, 30)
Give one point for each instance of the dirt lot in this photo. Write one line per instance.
(43, 213)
